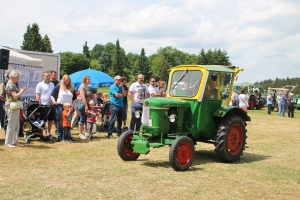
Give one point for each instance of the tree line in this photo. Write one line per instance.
(279, 83)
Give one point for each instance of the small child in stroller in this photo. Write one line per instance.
(36, 121)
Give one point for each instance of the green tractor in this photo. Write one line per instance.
(190, 114)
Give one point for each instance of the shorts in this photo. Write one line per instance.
(51, 116)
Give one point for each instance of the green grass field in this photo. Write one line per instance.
(269, 169)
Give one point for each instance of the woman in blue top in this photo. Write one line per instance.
(270, 101)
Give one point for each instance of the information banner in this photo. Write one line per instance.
(30, 76)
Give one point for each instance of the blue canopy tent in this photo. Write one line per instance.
(98, 78)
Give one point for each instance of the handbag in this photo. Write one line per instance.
(16, 105)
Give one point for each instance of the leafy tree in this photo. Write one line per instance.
(216, 57)
(143, 65)
(117, 62)
(157, 62)
(33, 39)
(131, 65)
(164, 75)
(105, 59)
(86, 50)
(97, 51)
(73, 62)
(94, 64)
(47, 44)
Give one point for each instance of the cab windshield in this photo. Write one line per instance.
(185, 83)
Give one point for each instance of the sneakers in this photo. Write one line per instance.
(81, 136)
(111, 137)
(86, 134)
(125, 128)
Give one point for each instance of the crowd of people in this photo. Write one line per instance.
(283, 101)
(66, 109)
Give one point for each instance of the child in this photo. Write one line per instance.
(37, 122)
(105, 97)
(91, 119)
(66, 122)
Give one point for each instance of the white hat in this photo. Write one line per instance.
(291, 94)
(117, 77)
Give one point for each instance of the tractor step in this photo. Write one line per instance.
(156, 145)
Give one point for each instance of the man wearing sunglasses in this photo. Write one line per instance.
(153, 90)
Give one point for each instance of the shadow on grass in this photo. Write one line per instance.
(209, 156)
(205, 156)
(34, 146)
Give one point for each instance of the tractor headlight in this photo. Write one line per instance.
(137, 114)
(172, 118)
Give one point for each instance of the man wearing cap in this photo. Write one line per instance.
(116, 93)
(290, 104)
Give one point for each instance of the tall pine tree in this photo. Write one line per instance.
(86, 50)
(47, 44)
(143, 65)
(117, 62)
(32, 39)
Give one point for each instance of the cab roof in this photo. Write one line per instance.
(216, 68)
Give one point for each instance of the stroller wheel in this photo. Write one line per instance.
(27, 139)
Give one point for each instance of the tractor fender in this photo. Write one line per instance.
(226, 110)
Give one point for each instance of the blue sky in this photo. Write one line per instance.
(263, 37)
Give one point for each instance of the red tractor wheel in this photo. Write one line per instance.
(251, 103)
(231, 139)
(124, 147)
(182, 153)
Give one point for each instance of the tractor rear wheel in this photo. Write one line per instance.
(182, 153)
(124, 147)
(251, 103)
(231, 138)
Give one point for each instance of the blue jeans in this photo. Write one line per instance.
(125, 109)
(283, 109)
(59, 110)
(279, 109)
(81, 109)
(115, 112)
(134, 121)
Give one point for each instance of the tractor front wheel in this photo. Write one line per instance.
(124, 147)
(182, 153)
(231, 138)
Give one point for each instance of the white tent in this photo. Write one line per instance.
(21, 59)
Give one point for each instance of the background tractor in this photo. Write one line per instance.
(188, 115)
(254, 93)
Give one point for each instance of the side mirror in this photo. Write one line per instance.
(236, 78)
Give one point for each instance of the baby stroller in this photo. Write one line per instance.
(34, 124)
(105, 119)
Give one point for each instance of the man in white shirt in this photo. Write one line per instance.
(43, 95)
(153, 90)
(138, 92)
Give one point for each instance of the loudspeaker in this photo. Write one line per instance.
(4, 58)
